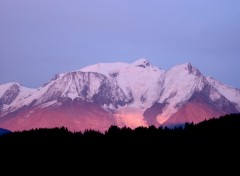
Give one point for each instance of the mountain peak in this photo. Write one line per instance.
(6, 86)
(187, 65)
(189, 68)
(141, 63)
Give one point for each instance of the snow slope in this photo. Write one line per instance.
(179, 83)
(229, 92)
(140, 79)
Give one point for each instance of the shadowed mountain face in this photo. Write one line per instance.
(122, 94)
(4, 131)
(10, 95)
(151, 113)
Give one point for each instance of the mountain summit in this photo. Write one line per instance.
(105, 94)
(142, 63)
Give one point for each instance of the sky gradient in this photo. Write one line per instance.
(40, 38)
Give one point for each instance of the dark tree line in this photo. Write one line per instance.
(214, 130)
(224, 125)
(215, 137)
(193, 147)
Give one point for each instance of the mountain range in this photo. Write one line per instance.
(122, 94)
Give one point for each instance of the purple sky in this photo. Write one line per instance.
(40, 38)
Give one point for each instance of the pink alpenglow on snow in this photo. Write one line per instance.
(123, 94)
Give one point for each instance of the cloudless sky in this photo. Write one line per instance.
(40, 38)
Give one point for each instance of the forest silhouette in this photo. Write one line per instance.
(209, 141)
(196, 146)
(222, 131)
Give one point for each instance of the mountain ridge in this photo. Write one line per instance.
(136, 94)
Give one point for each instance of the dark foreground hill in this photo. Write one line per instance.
(4, 131)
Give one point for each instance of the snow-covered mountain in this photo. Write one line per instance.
(136, 94)
(13, 94)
